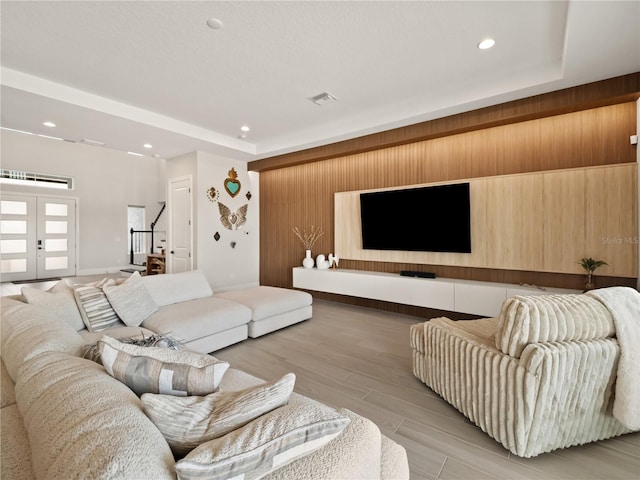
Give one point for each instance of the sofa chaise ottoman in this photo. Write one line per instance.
(272, 308)
(64, 416)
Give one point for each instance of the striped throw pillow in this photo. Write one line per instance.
(96, 311)
(265, 444)
(186, 422)
(161, 370)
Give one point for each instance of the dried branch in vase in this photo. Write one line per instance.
(310, 238)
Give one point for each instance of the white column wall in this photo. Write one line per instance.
(225, 266)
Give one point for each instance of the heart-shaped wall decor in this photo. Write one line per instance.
(232, 185)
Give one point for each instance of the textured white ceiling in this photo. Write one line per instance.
(127, 73)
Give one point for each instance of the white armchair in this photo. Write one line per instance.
(539, 377)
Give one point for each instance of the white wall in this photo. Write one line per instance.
(227, 267)
(106, 182)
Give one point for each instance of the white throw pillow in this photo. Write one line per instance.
(58, 300)
(161, 370)
(264, 444)
(97, 313)
(131, 300)
(187, 422)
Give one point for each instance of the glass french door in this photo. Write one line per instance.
(37, 237)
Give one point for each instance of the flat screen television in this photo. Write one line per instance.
(424, 219)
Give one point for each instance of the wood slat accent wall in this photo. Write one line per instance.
(543, 221)
(303, 195)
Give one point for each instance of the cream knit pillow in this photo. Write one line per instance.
(58, 300)
(131, 300)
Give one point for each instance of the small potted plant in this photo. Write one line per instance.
(590, 265)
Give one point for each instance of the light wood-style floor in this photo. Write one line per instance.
(360, 359)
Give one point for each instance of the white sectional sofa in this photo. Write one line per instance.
(67, 417)
(181, 305)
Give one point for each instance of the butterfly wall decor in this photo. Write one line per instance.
(232, 220)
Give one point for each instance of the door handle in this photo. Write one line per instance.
(39, 244)
(171, 252)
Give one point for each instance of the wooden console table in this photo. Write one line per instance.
(156, 263)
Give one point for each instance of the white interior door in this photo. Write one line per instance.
(56, 244)
(180, 225)
(17, 237)
(37, 237)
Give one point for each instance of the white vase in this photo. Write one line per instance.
(321, 263)
(307, 262)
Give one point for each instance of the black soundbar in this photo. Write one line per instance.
(412, 273)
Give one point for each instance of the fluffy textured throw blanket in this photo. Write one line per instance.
(624, 305)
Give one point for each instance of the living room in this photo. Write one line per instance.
(571, 128)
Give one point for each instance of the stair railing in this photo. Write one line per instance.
(137, 237)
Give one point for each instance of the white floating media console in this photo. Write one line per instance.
(463, 296)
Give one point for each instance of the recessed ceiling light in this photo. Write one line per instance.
(214, 23)
(486, 43)
(49, 124)
(147, 145)
(245, 128)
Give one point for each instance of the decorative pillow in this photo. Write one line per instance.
(91, 352)
(97, 313)
(160, 370)
(186, 422)
(58, 300)
(131, 300)
(264, 444)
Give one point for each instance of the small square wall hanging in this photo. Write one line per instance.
(217, 236)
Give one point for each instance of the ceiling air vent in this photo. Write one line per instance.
(322, 98)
